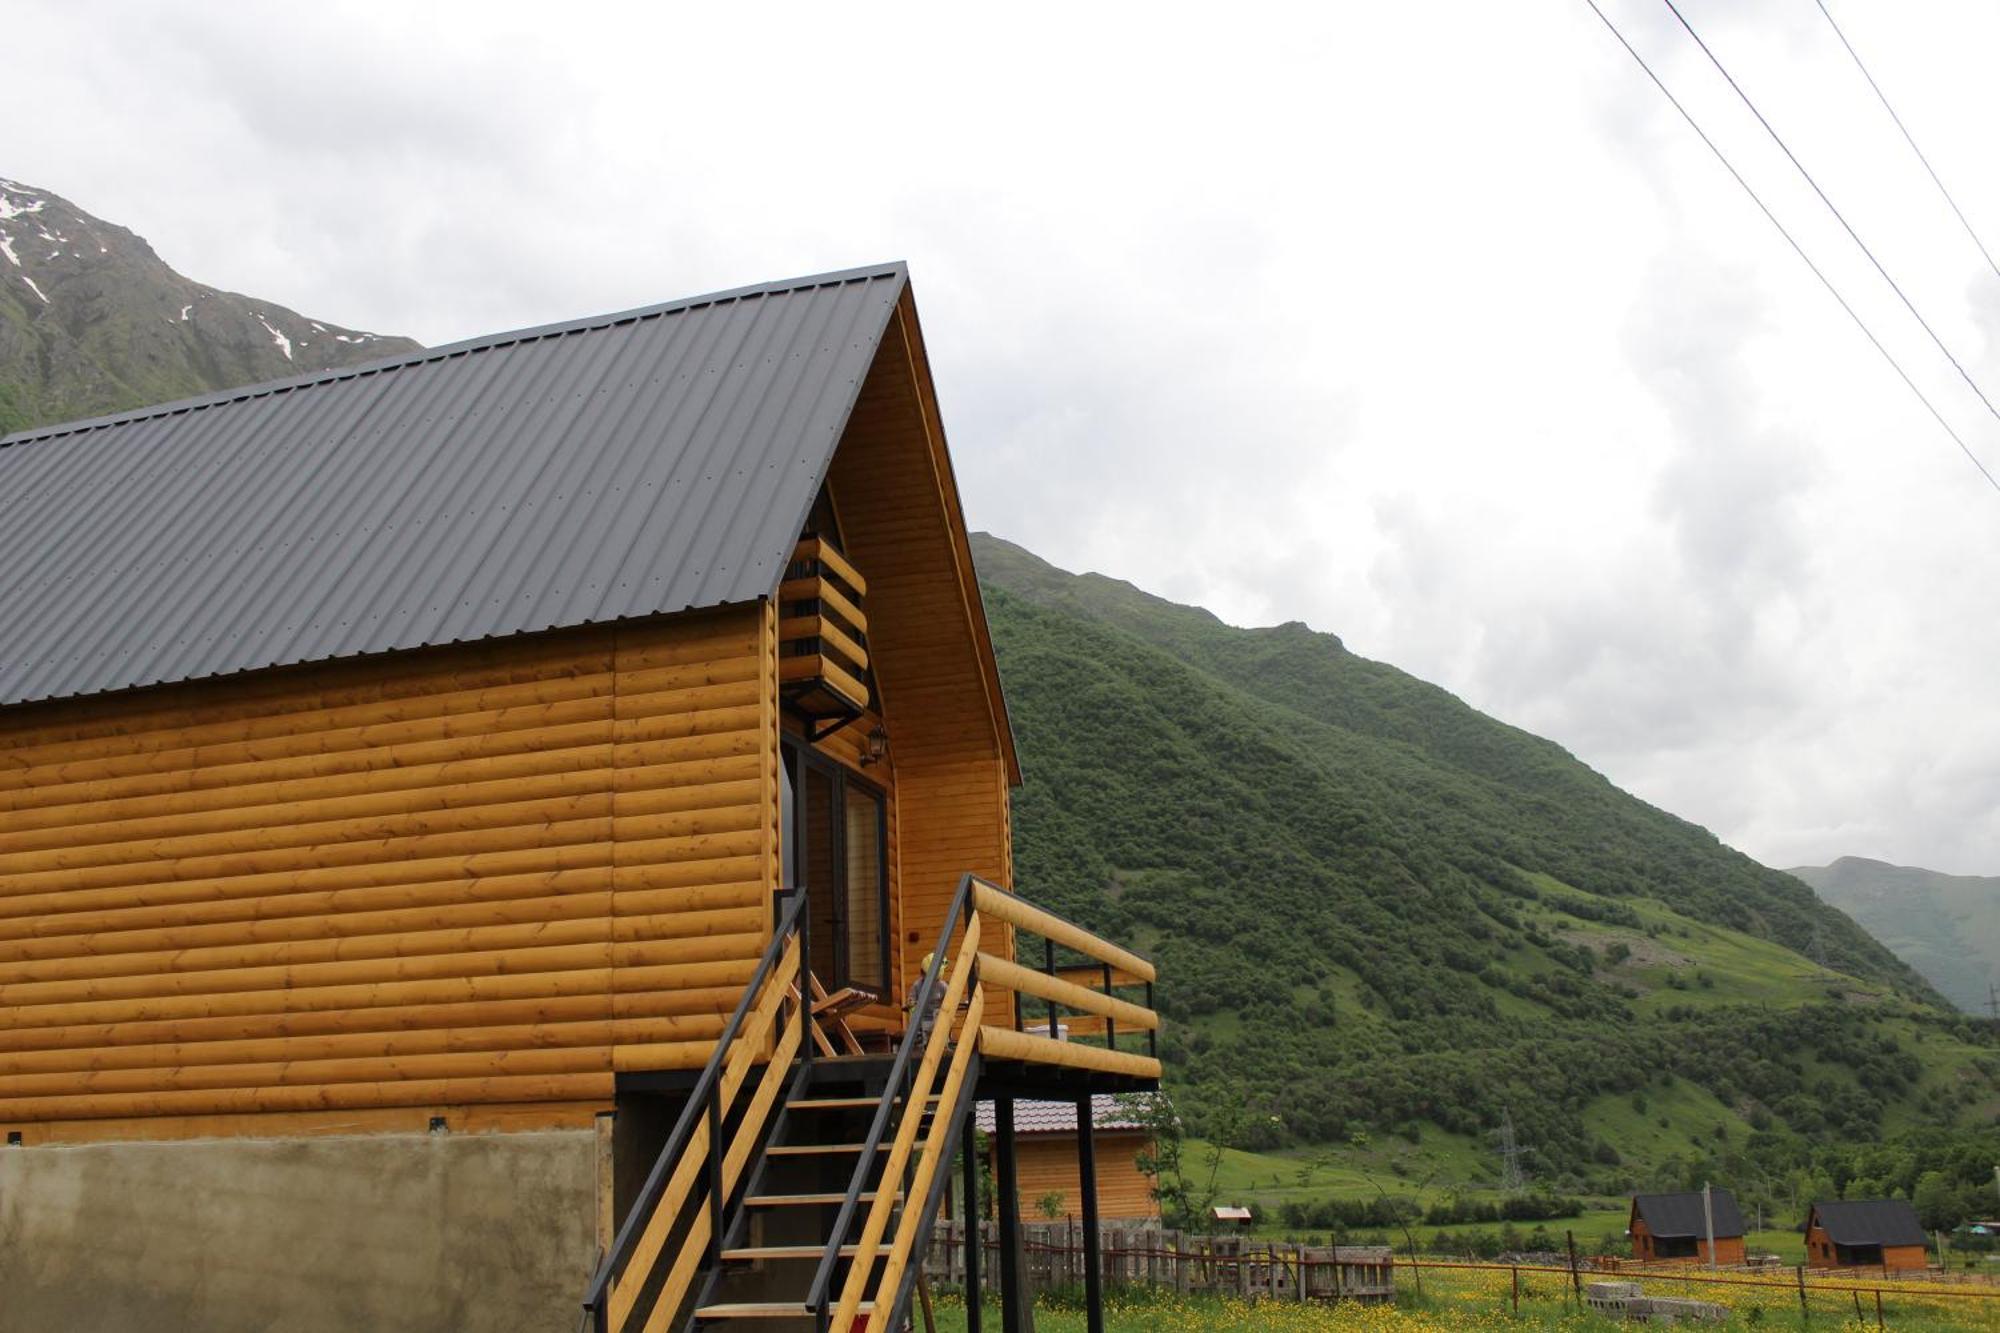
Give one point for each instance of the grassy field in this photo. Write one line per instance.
(1466, 1299)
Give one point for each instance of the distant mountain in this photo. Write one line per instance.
(92, 321)
(1947, 927)
(1377, 910)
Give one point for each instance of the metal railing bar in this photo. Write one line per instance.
(817, 1295)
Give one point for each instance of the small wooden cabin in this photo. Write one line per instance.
(475, 814)
(1865, 1233)
(1046, 1157)
(1675, 1227)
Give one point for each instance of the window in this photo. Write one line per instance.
(835, 845)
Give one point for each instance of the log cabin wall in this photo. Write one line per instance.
(474, 881)
(898, 505)
(1046, 1164)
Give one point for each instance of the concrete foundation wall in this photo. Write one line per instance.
(354, 1235)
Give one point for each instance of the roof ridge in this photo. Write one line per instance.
(446, 351)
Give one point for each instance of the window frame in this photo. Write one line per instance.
(798, 755)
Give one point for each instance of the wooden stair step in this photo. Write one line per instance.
(821, 1149)
(798, 1200)
(840, 1103)
(767, 1310)
(750, 1254)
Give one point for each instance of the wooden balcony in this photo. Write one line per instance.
(823, 634)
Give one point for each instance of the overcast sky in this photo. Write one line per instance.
(1430, 325)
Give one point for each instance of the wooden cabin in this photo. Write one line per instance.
(1865, 1233)
(470, 824)
(1046, 1158)
(1670, 1228)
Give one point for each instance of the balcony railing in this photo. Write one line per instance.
(823, 633)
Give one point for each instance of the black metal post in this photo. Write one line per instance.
(969, 1139)
(715, 1199)
(1110, 1023)
(805, 980)
(1005, 1186)
(1049, 961)
(1152, 1034)
(1086, 1170)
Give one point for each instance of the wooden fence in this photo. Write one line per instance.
(1185, 1262)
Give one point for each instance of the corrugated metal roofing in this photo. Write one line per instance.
(1870, 1222)
(1107, 1111)
(1681, 1214)
(652, 461)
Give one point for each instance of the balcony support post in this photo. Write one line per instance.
(1086, 1170)
(1014, 1316)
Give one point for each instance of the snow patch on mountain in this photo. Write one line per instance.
(284, 343)
(37, 290)
(9, 208)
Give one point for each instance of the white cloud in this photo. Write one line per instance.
(1434, 328)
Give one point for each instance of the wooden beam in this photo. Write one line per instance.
(819, 589)
(824, 551)
(1026, 916)
(1007, 1044)
(1012, 976)
(1093, 976)
(829, 632)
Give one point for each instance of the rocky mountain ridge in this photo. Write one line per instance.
(92, 321)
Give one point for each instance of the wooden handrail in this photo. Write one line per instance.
(1007, 1044)
(1012, 976)
(1049, 926)
(906, 1132)
(692, 1146)
(912, 1220)
(973, 969)
(819, 1296)
(1092, 974)
(694, 1157)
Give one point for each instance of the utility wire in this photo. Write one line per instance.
(1908, 138)
(1797, 249)
(1840, 217)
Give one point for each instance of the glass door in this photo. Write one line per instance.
(835, 844)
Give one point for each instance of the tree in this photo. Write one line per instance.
(1184, 1198)
(1940, 1207)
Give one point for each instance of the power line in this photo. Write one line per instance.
(1839, 217)
(1908, 138)
(1797, 249)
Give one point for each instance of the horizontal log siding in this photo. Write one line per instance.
(491, 874)
(898, 510)
(1046, 1164)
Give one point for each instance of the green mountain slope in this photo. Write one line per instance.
(1376, 908)
(92, 321)
(1947, 927)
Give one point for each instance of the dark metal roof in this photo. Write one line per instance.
(1108, 1111)
(652, 461)
(1680, 1214)
(1870, 1222)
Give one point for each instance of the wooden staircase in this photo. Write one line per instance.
(801, 1208)
(799, 1187)
(791, 1216)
